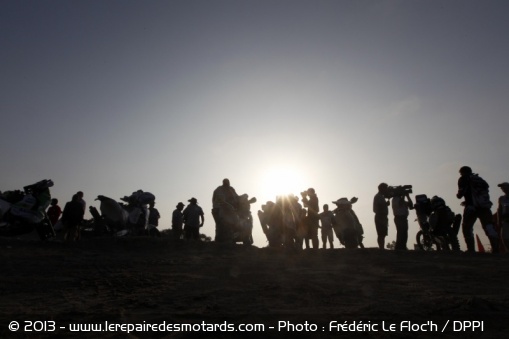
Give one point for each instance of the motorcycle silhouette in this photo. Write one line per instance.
(23, 211)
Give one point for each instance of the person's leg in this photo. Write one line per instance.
(469, 218)
(404, 233)
(399, 233)
(486, 218)
(505, 234)
(331, 238)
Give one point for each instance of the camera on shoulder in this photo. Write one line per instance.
(398, 191)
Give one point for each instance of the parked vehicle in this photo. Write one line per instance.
(23, 211)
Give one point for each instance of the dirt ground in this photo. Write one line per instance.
(47, 287)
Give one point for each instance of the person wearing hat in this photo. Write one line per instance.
(193, 220)
(381, 209)
(177, 221)
(503, 213)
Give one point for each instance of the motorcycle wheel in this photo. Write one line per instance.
(427, 242)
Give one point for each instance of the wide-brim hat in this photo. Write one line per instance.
(180, 204)
(193, 200)
(342, 202)
(504, 184)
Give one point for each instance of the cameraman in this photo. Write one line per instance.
(380, 207)
(400, 209)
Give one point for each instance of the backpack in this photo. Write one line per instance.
(480, 192)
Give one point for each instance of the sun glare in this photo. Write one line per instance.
(281, 181)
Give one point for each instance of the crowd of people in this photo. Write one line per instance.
(286, 222)
(294, 222)
(477, 206)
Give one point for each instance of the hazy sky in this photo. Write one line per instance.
(171, 97)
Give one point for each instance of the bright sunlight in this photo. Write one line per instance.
(281, 181)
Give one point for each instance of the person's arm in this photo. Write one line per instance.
(410, 203)
(461, 184)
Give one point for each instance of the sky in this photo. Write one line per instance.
(171, 97)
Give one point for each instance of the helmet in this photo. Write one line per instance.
(437, 202)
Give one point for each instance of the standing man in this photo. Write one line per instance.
(177, 221)
(503, 213)
(477, 204)
(381, 210)
(327, 219)
(153, 215)
(223, 194)
(400, 209)
(193, 220)
(72, 218)
(310, 201)
(82, 202)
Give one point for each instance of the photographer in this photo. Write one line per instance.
(400, 209)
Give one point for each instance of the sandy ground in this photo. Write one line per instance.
(157, 281)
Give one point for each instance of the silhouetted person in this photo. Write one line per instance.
(153, 216)
(400, 209)
(82, 202)
(381, 210)
(177, 221)
(193, 220)
(221, 195)
(271, 221)
(54, 212)
(327, 220)
(444, 222)
(503, 213)
(310, 201)
(72, 218)
(477, 204)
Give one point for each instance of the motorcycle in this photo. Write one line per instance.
(346, 225)
(23, 211)
(432, 237)
(120, 219)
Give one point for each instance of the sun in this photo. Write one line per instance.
(282, 180)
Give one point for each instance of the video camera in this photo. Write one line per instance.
(398, 191)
